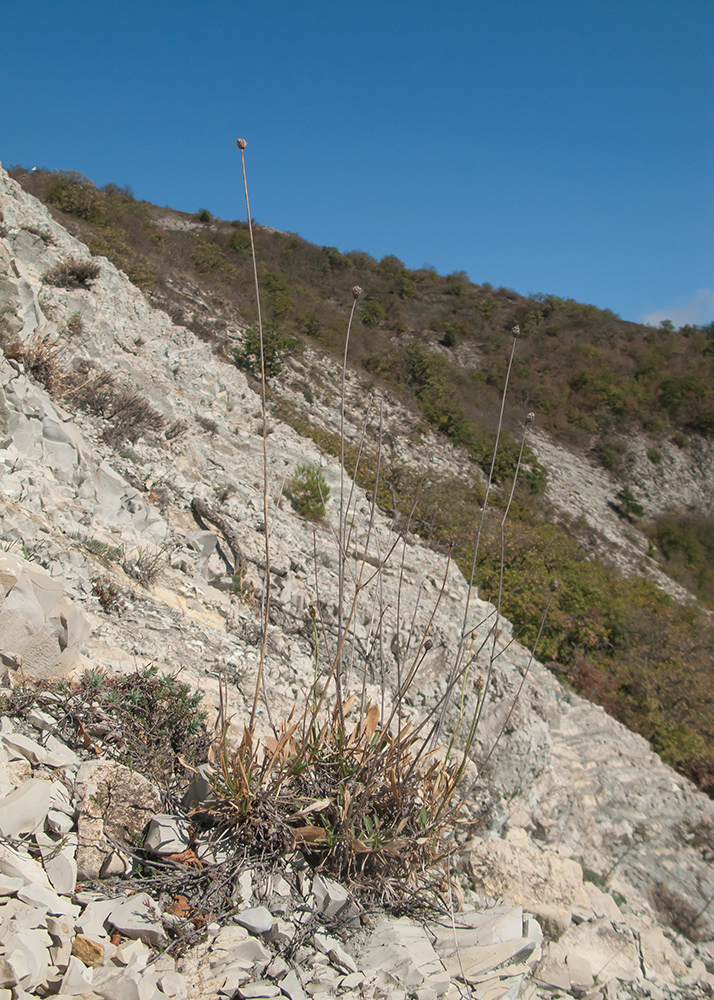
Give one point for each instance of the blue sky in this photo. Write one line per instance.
(544, 145)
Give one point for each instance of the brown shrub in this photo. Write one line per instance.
(679, 913)
(41, 361)
(131, 417)
(72, 272)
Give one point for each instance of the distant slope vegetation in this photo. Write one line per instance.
(585, 371)
(443, 344)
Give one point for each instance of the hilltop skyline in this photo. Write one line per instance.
(553, 150)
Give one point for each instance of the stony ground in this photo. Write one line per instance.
(566, 793)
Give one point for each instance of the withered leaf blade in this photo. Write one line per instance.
(371, 721)
(316, 806)
(310, 835)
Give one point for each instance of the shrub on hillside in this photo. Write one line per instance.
(76, 195)
(373, 314)
(72, 272)
(308, 491)
(276, 349)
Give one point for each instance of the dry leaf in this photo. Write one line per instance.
(316, 806)
(310, 835)
(371, 721)
(187, 857)
(179, 907)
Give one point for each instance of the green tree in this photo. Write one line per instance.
(276, 348)
(373, 313)
(627, 506)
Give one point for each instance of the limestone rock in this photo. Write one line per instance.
(40, 628)
(115, 805)
(611, 953)
(25, 809)
(544, 883)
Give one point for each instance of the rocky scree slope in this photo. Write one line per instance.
(567, 785)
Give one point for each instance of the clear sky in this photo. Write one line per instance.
(545, 145)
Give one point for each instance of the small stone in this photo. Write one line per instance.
(9, 886)
(24, 747)
(59, 822)
(352, 981)
(335, 952)
(134, 954)
(39, 895)
(77, 979)
(137, 917)
(259, 988)
(256, 919)
(58, 861)
(277, 968)
(332, 899)
(168, 834)
(88, 951)
(41, 720)
(245, 886)
(292, 987)
(173, 985)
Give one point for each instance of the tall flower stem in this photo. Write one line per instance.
(241, 144)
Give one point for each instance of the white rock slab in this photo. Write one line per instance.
(40, 896)
(58, 860)
(291, 986)
(9, 886)
(256, 919)
(18, 865)
(611, 954)
(25, 809)
(77, 979)
(137, 917)
(168, 834)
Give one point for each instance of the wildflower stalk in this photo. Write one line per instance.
(342, 549)
(464, 631)
(241, 144)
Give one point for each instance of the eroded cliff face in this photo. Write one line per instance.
(74, 510)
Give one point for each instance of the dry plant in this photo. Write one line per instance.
(131, 416)
(367, 794)
(42, 361)
(145, 564)
(72, 272)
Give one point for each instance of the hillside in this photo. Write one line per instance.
(628, 411)
(141, 496)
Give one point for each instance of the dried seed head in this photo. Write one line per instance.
(479, 683)
(516, 330)
(369, 496)
(530, 417)
(554, 585)
(312, 611)
(356, 291)
(427, 645)
(241, 143)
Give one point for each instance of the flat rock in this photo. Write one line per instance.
(259, 988)
(610, 953)
(137, 917)
(168, 834)
(25, 809)
(17, 865)
(90, 952)
(256, 919)
(477, 959)
(115, 805)
(544, 883)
